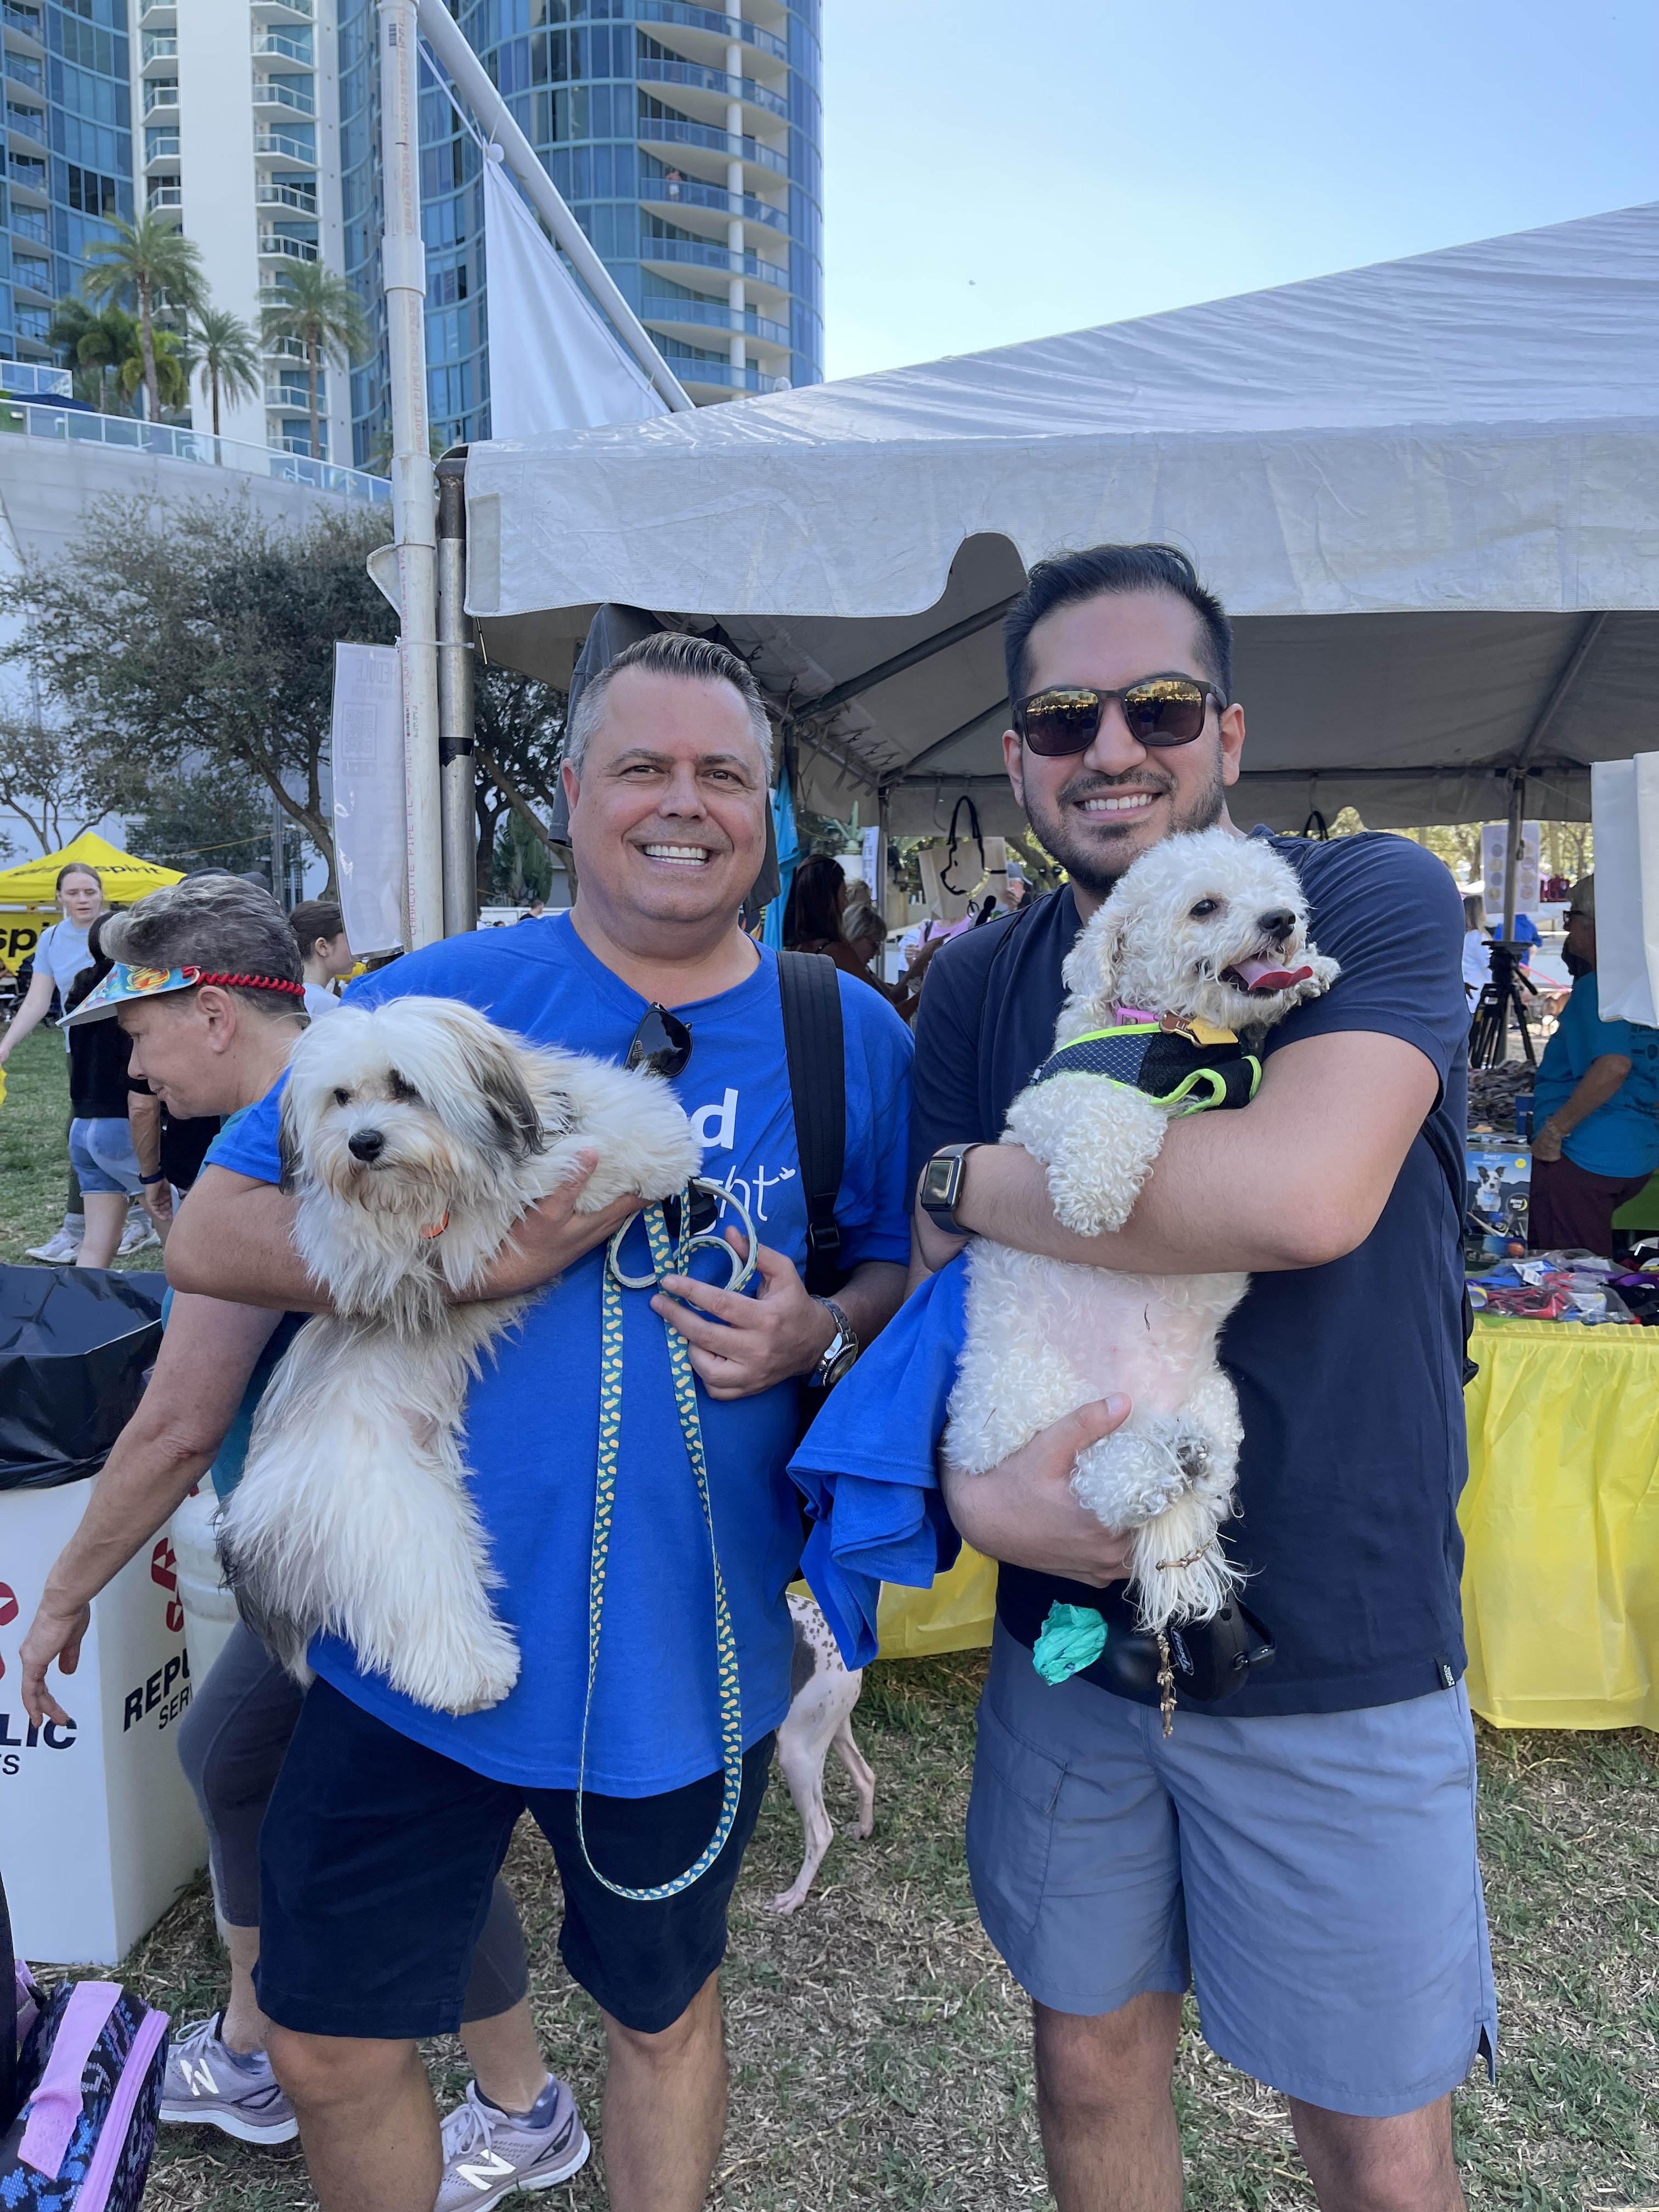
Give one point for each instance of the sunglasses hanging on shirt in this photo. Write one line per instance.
(662, 1046)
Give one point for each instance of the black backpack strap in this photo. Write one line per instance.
(811, 991)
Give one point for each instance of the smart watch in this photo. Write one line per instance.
(941, 1187)
(839, 1353)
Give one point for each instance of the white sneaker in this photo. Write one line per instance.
(136, 1236)
(206, 2086)
(488, 2155)
(59, 1250)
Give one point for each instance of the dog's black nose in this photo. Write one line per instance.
(366, 1145)
(1277, 924)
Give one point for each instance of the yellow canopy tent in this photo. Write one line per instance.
(29, 886)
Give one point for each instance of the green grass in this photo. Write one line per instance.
(34, 1150)
(880, 2055)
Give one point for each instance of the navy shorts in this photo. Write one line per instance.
(377, 1859)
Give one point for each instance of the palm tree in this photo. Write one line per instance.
(226, 357)
(95, 346)
(151, 264)
(321, 313)
(172, 366)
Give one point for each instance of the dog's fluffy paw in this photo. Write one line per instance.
(1139, 1471)
(466, 1681)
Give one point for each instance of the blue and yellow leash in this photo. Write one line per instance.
(668, 1257)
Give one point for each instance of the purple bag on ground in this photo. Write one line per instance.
(79, 2099)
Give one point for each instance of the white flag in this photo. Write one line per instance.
(371, 845)
(1624, 812)
(554, 361)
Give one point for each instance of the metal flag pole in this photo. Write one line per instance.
(449, 42)
(457, 771)
(402, 271)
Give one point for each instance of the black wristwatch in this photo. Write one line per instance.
(941, 1187)
(839, 1353)
(160, 1176)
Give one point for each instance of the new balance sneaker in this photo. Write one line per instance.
(488, 2153)
(210, 2084)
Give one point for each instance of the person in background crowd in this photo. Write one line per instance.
(320, 926)
(207, 1051)
(101, 1151)
(815, 920)
(59, 957)
(1595, 1107)
(536, 909)
(1477, 949)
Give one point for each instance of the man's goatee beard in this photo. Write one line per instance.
(1097, 871)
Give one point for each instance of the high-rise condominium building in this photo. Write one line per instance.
(687, 141)
(68, 154)
(240, 122)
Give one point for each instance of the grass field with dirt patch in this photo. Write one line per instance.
(880, 2054)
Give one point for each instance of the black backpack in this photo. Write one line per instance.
(809, 987)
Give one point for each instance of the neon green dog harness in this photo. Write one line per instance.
(1169, 1065)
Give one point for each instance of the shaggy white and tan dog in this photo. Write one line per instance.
(1206, 936)
(415, 1134)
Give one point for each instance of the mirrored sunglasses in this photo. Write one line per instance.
(1160, 710)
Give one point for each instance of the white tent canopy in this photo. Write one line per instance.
(1427, 491)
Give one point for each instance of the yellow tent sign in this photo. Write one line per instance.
(30, 887)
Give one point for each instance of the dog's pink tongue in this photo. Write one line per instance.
(1262, 976)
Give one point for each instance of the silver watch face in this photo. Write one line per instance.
(835, 1367)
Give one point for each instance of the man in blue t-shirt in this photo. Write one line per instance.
(666, 771)
(1302, 1854)
(1595, 1109)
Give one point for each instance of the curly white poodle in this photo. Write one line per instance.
(1204, 937)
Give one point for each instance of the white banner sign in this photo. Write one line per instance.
(1624, 814)
(371, 839)
(1494, 853)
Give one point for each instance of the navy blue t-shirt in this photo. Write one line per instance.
(1349, 1375)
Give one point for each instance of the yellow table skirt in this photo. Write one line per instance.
(1560, 1522)
(1561, 1526)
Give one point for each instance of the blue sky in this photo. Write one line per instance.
(996, 174)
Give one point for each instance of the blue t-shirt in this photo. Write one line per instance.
(1621, 1138)
(227, 1469)
(533, 1419)
(1349, 1375)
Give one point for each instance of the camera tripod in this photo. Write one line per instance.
(1500, 998)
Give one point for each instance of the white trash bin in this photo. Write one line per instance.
(210, 1606)
(98, 1829)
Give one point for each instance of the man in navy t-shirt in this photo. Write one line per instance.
(1302, 1855)
(667, 772)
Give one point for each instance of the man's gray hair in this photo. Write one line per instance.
(669, 652)
(215, 921)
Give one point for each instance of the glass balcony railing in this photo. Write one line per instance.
(293, 400)
(715, 314)
(26, 122)
(277, 192)
(710, 19)
(693, 369)
(160, 91)
(161, 440)
(279, 142)
(159, 47)
(699, 255)
(278, 92)
(692, 192)
(27, 170)
(295, 249)
(25, 20)
(292, 45)
(662, 130)
(713, 80)
(160, 145)
(32, 380)
(280, 7)
(164, 196)
(23, 71)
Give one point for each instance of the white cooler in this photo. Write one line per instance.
(98, 1829)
